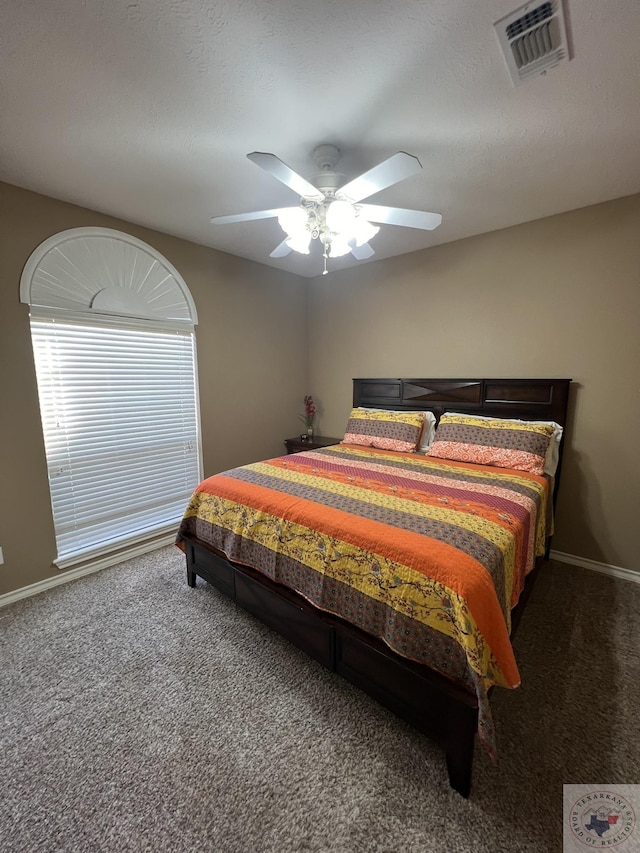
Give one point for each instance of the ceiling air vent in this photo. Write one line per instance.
(533, 39)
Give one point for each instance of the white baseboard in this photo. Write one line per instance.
(595, 566)
(90, 568)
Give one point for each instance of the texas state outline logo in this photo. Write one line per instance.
(601, 818)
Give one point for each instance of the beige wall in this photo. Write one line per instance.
(251, 358)
(559, 297)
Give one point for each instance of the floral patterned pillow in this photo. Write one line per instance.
(385, 430)
(492, 441)
(428, 430)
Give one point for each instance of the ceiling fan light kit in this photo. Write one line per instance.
(331, 213)
(336, 223)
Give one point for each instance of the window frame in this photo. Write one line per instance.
(100, 279)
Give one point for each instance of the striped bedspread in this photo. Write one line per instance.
(426, 554)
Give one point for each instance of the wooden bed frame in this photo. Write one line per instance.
(429, 701)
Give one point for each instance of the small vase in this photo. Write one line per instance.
(309, 433)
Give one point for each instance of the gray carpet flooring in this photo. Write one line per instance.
(141, 715)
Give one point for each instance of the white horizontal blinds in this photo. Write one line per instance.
(120, 415)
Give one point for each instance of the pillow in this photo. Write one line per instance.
(552, 455)
(428, 430)
(385, 430)
(553, 451)
(504, 443)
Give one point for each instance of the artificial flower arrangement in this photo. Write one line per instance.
(309, 412)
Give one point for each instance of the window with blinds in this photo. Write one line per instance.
(119, 406)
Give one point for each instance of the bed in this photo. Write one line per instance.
(405, 572)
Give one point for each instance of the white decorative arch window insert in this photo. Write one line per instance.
(104, 271)
(112, 326)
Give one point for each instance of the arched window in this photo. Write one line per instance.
(112, 325)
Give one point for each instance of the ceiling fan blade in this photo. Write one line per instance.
(362, 252)
(400, 216)
(281, 250)
(272, 164)
(246, 217)
(385, 174)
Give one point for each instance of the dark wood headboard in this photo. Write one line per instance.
(529, 399)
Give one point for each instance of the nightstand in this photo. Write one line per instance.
(296, 444)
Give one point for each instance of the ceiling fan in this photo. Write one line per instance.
(333, 213)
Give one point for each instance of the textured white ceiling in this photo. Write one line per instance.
(145, 110)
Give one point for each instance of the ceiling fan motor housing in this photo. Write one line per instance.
(328, 183)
